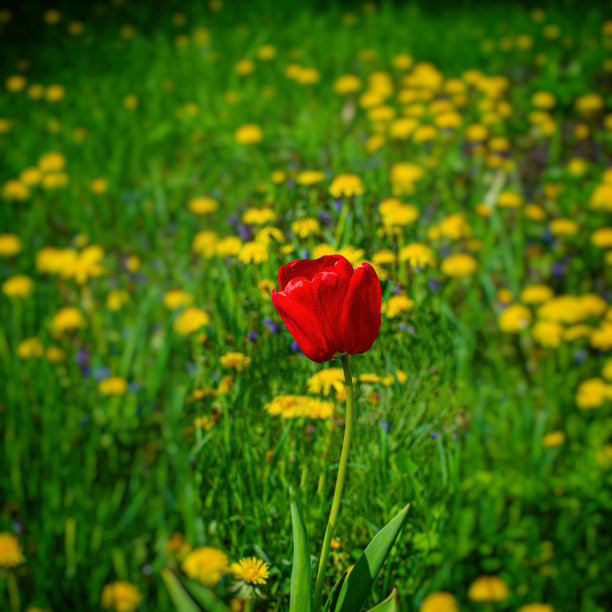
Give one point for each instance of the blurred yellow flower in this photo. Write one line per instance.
(235, 361)
(488, 589)
(458, 265)
(514, 319)
(98, 186)
(547, 333)
(309, 177)
(266, 53)
(203, 205)
(396, 304)
(52, 162)
(253, 253)
(592, 393)
(305, 227)
(67, 319)
(205, 243)
(18, 286)
(15, 190)
(258, 216)
(120, 596)
(191, 320)
(347, 84)
(536, 294)
(10, 245)
(228, 246)
(417, 255)
(205, 564)
(346, 185)
(553, 439)
(55, 93)
(175, 298)
(439, 602)
(326, 380)
(114, 385)
(248, 134)
(30, 348)
(11, 553)
(250, 570)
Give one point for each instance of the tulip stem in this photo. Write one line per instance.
(335, 509)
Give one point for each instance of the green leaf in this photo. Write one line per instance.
(388, 605)
(356, 587)
(182, 602)
(330, 604)
(205, 597)
(301, 573)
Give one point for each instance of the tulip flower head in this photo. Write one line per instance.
(329, 308)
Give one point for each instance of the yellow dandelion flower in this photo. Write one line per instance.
(250, 570)
(458, 265)
(120, 596)
(67, 319)
(346, 185)
(439, 602)
(248, 134)
(11, 553)
(228, 246)
(205, 564)
(536, 294)
(309, 177)
(253, 253)
(417, 255)
(30, 348)
(203, 205)
(514, 319)
(205, 243)
(397, 304)
(592, 393)
(113, 385)
(18, 286)
(235, 361)
(553, 439)
(191, 320)
(488, 589)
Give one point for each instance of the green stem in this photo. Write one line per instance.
(13, 591)
(248, 605)
(335, 509)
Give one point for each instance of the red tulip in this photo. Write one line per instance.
(329, 308)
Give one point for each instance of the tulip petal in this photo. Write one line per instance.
(361, 321)
(329, 290)
(298, 311)
(308, 268)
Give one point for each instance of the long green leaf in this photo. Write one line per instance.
(388, 605)
(301, 573)
(330, 604)
(182, 602)
(356, 587)
(205, 597)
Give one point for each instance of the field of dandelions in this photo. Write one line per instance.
(159, 165)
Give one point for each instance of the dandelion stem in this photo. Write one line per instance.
(335, 509)
(13, 592)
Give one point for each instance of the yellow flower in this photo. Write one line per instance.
(439, 602)
(266, 53)
(323, 249)
(396, 305)
(11, 553)
(553, 439)
(299, 406)
(55, 93)
(258, 216)
(203, 205)
(488, 589)
(253, 252)
(458, 265)
(30, 348)
(384, 256)
(15, 190)
(205, 243)
(18, 286)
(309, 177)
(305, 227)
(114, 385)
(205, 564)
(601, 338)
(417, 255)
(120, 596)
(355, 256)
(15, 83)
(399, 215)
(55, 354)
(250, 570)
(374, 143)
(66, 319)
(326, 380)
(244, 67)
(265, 286)
(52, 162)
(403, 61)
(509, 199)
(601, 198)
(577, 331)
(476, 133)
(85, 265)
(116, 298)
(248, 134)
(175, 298)
(547, 333)
(30, 176)
(10, 245)
(346, 185)
(98, 186)
(589, 104)
(602, 238)
(544, 100)
(455, 226)
(347, 84)
(131, 102)
(592, 393)
(190, 321)
(563, 227)
(235, 361)
(404, 175)
(536, 294)
(228, 246)
(270, 235)
(514, 319)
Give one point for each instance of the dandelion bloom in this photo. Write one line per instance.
(251, 570)
(488, 589)
(329, 308)
(346, 185)
(439, 602)
(514, 319)
(114, 385)
(458, 265)
(11, 554)
(235, 361)
(205, 564)
(120, 596)
(18, 286)
(10, 245)
(191, 320)
(248, 134)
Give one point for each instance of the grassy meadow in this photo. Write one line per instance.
(160, 164)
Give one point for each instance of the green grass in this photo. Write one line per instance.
(95, 486)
